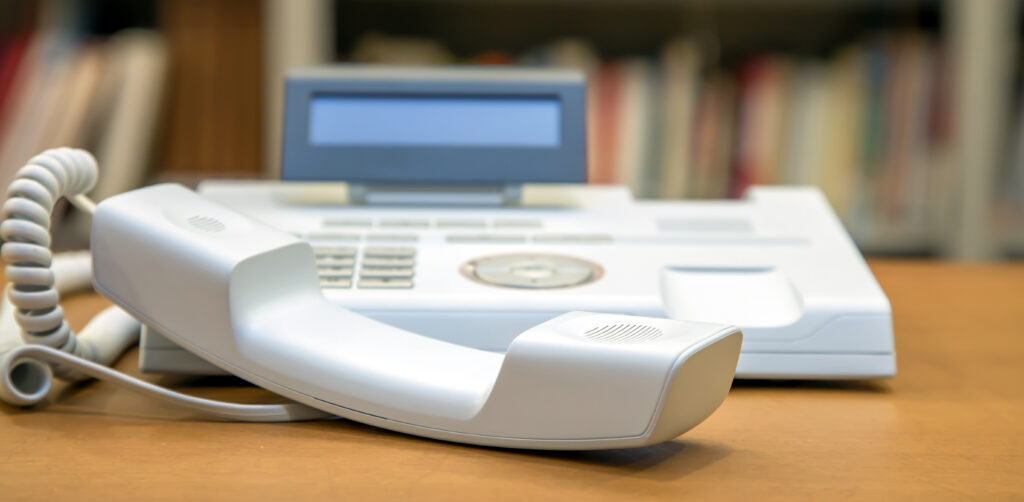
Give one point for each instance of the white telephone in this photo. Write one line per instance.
(245, 297)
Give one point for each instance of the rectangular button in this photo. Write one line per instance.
(509, 223)
(392, 237)
(332, 236)
(738, 225)
(379, 272)
(497, 238)
(384, 252)
(346, 261)
(385, 283)
(334, 252)
(335, 282)
(348, 222)
(573, 238)
(405, 223)
(387, 261)
(334, 271)
(456, 223)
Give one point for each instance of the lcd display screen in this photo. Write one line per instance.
(434, 121)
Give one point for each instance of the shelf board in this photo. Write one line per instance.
(896, 243)
(1013, 243)
(818, 4)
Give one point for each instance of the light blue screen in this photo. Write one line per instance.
(425, 121)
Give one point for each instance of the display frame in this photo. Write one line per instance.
(434, 165)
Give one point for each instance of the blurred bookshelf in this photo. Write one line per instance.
(909, 114)
(898, 110)
(151, 87)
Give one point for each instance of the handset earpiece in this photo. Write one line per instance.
(245, 297)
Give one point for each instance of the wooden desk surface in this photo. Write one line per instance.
(948, 426)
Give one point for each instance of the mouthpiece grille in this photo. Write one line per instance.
(623, 333)
(206, 223)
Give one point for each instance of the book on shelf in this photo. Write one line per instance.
(62, 87)
(100, 94)
(680, 63)
(139, 81)
(634, 134)
(1009, 208)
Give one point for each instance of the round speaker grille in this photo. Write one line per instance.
(206, 223)
(623, 333)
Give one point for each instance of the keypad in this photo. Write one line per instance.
(379, 252)
(334, 266)
(379, 267)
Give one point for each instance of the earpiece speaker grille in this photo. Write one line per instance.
(623, 333)
(206, 223)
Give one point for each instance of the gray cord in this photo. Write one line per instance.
(32, 382)
(33, 294)
(26, 233)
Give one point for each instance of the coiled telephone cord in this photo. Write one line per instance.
(35, 280)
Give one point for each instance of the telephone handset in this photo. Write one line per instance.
(245, 297)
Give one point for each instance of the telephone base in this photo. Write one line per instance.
(163, 356)
(777, 263)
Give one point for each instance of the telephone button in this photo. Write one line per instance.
(532, 271)
(384, 283)
(490, 238)
(392, 237)
(332, 236)
(387, 261)
(572, 238)
(384, 252)
(335, 282)
(405, 223)
(332, 252)
(346, 261)
(382, 272)
(522, 223)
(461, 223)
(334, 271)
(347, 222)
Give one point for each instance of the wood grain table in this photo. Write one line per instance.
(949, 426)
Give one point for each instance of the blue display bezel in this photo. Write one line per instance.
(565, 163)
